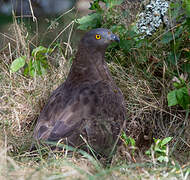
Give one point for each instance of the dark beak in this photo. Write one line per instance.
(115, 38)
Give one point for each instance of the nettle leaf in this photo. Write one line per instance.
(172, 98)
(17, 64)
(90, 21)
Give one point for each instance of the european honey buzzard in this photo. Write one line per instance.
(88, 105)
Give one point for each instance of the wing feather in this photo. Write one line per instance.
(94, 111)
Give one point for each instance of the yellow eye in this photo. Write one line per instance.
(98, 36)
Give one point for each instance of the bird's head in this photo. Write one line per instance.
(98, 39)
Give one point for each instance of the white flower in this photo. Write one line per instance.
(151, 18)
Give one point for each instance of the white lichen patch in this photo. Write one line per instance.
(152, 17)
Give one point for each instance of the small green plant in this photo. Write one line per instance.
(129, 141)
(178, 58)
(36, 65)
(180, 95)
(95, 19)
(159, 149)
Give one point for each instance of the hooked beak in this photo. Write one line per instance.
(115, 38)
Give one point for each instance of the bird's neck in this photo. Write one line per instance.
(89, 66)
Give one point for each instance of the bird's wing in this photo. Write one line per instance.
(94, 110)
(64, 114)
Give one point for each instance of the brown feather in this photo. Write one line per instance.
(85, 104)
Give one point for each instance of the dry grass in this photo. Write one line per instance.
(149, 115)
(22, 98)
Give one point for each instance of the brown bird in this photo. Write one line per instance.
(88, 108)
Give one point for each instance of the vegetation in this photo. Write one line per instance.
(153, 74)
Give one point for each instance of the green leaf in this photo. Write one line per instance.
(32, 72)
(167, 38)
(188, 24)
(26, 71)
(126, 45)
(183, 97)
(90, 21)
(40, 68)
(178, 31)
(172, 98)
(186, 67)
(43, 70)
(17, 64)
(148, 152)
(177, 85)
(173, 58)
(166, 140)
(95, 5)
(186, 3)
(121, 29)
(111, 3)
(128, 140)
(123, 136)
(30, 69)
(158, 150)
(40, 50)
(162, 158)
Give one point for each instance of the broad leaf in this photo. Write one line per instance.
(17, 64)
(90, 21)
(183, 97)
(166, 141)
(172, 98)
